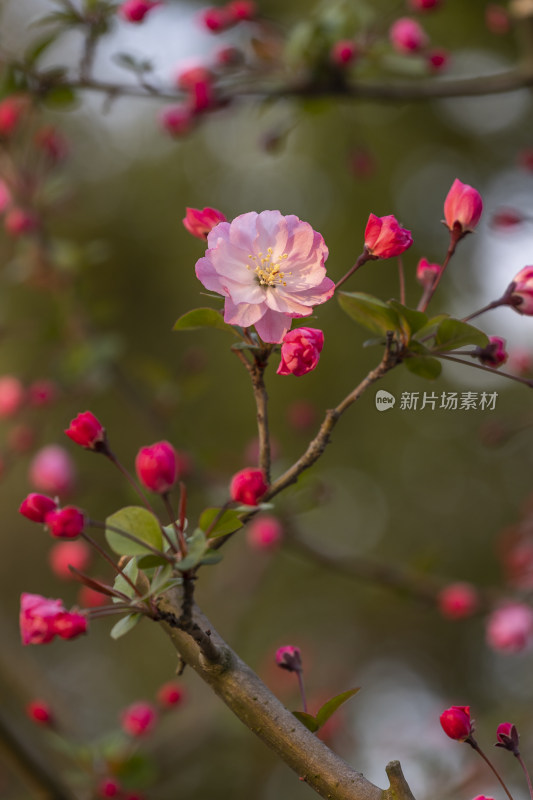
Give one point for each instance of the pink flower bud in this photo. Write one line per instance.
(40, 712)
(20, 222)
(248, 486)
(497, 19)
(65, 523)
(42, 619)
(138, 719)
(216, 19)
(456, 723)
(109, 787)
(510, 628)
(426, 273)
(458, 600)
(522, 293)
(52, 470)
(264, 533)
(508, 737)
(424, 5)
(157, 467)
(5, 196)
(191, 73)
(201, 96)
(201, 222)
(69, 554)
(343, 52)
(384, 237)
(437, 59)
(289, 658)
(136, 10)
(300, 351)
(494, 354)
(11, 112)
(407, 36)
(52, 143)
(171, 694)
(12, 396)
(482, 797)
(462, 207)
(241, 10)
(505, 218)
(37, 506)
(176, 120)
(87, 431)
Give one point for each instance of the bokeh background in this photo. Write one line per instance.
(429, 490)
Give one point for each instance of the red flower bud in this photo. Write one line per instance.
(426, 273)
(522, 292)
(289, 658)
(71, 553)
(508, 737)
(201, 222)
(407, 36)
(494, 354)
(87, 431)
(65, 523)
(384, 237)
(343, 52)
(458, 600)
(248, 486)
(423, 5)
(241, 10)
(157, 467)
(37, 506)
(171, 694)
(109, 787)
(138, 719)
(176, 120)
(40, 712)
(264, 533)
(216, 19)
(20, 221)
(136, 10)
(437, 59)
(300, 351)
(456, 723)
(12, 396)
(463, 207)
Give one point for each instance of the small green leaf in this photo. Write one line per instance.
(140, 523)
(36, 50)
(196, 546)
(329, 708)
(370, 312)
(124, 625)
(430, 328)
(60, 97)
(148, 562)
(228, 522)
(211, 557)
(308, 720)
(452, 333)
(374, 341)
(203, 318)
(424, 367)
(122, 585)
(411, 320)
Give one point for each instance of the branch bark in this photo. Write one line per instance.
(253, 703)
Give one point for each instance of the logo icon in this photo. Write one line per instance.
(384, 400)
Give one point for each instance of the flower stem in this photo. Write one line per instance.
(302, 690)
(179, 530)
(108, 558)
(363, 258)
(472, 742)
(114, 460)
(526, 773)
(493, 371)
(93, 523)
(455, 236)
(401, 276)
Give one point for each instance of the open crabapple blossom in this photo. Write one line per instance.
(42, 619)
(269, 267)
(463, 207)
(385, 237)
(300, 351)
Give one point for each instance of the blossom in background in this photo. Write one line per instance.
(462, 207)
(70, 553)
(138, 719)
(407, 36)
(136, 10)
(269, 267)
(300, 351)
(52, 470)
(200, 221)
(510, 628)
(41, 619)
(458, 600)
(171, 694)
(385, 237)
(264, 533)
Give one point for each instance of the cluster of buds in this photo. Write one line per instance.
(408, 37)
(221, 18)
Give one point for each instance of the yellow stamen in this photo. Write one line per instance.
(269, 272)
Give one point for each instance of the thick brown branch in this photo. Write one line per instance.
(253, 703)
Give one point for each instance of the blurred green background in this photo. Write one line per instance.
(416, 488)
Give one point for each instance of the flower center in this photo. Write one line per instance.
(268, 272)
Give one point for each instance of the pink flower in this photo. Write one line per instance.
(456, 722)
(37, 506)
(508, 737)
(522, 292)
(241, 10)
(407, 36)
(510, 628)
(41, 619)
(109, 787)
(482, 797)
(65, 523)
(269, 267)
(138, 719)
(384, 237)
(157, 467)
(136, 10)
(171, 694)
(216, 19)
(423, 5)
(462, 207)
(343, 52)
(12, 395)
(176, 120)
(289, 658)
(458, 600)
(71, 553)
(505, 218)
(40, 712)
(248, 486)
(20, 221)
(426, 272)
(300, 351)
(200, 222)
(494, 354)
(52, 470)
(87, 431)
(11, 111)
(437, 59)
(264, 533)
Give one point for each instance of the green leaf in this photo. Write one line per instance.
(36, 49)
(431, 327)
(452, 333)
(370, 312)
(196, 545)
(60, 97)
(411, 320)
(424, 367)
(148, 562)
(329, 708)
(374, 341)
(228, 522)
(161, 578)
(140, 523)
(308, 720)
(211, 557)
(122, 585)
(124, 625)
(203, 318)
